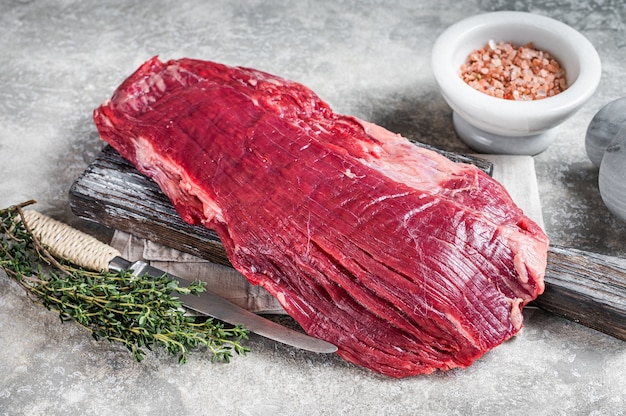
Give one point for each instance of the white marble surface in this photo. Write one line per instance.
(60, 59)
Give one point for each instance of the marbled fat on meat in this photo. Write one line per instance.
(406, 261)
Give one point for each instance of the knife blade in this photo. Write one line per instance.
(90, 253)
(210, 304)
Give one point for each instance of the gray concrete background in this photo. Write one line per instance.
(59, 60)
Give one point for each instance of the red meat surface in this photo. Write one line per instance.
(405, 260)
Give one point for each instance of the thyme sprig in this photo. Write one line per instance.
(137, 311)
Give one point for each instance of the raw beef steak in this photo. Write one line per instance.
(406, 261)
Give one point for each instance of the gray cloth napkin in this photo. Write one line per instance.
(516, 173)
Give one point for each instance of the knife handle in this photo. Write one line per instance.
(69, 243)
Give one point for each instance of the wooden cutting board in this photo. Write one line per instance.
(580, 286)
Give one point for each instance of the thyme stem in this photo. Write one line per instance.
(138, 312)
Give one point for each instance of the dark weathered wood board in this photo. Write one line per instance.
(587, 288)
(113, 193)
(580, 286)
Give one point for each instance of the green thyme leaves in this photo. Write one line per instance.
(139, 312)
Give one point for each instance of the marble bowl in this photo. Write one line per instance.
(494, 125)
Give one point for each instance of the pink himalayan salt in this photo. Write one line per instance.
(507, 71)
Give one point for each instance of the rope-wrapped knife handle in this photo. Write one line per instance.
(69, 243)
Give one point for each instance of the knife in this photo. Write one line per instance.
(90, 253)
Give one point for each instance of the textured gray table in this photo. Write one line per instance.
(59, 60)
